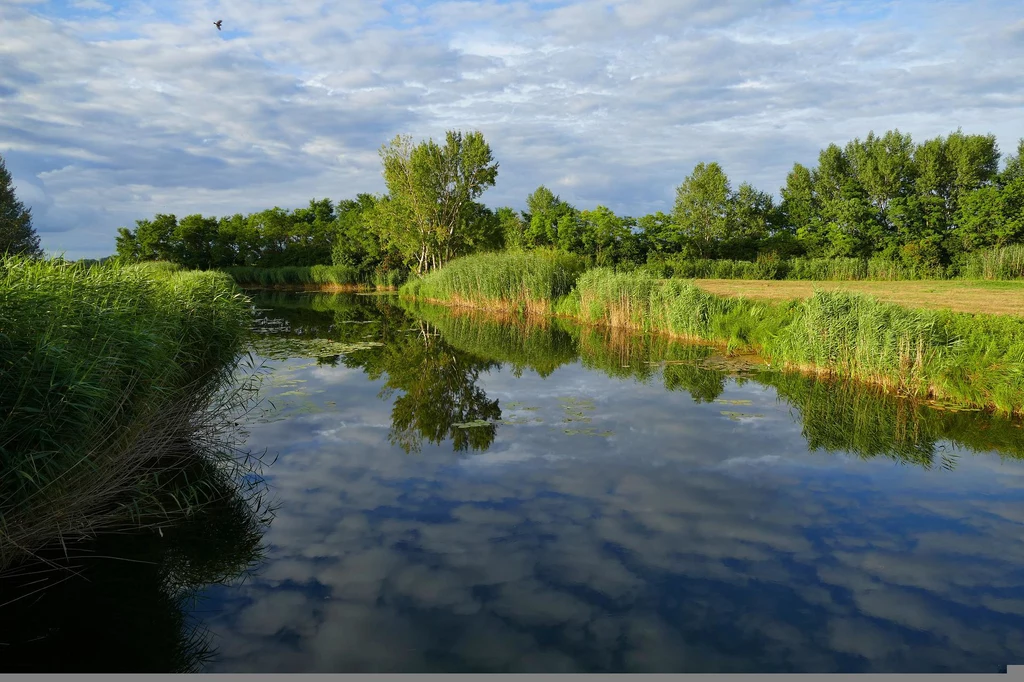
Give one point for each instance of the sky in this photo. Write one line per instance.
(114, 111)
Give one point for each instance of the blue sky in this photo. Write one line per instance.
(113, 111)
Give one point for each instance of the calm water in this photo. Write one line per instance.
(458, 494)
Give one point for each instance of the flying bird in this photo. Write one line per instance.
(218, 23)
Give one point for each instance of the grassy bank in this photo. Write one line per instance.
(112, 377)
(973, 360)
(835, 416)
(316, 277)
(966, 296)
(522, 282)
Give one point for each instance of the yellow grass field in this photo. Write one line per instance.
(993, 297)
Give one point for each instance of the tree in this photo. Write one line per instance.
(155, 237)
(512, 226)
(702, 208)
(800, 209)
(127, 245)
(950, 168)
(848, 225)
(16, 233)
(752, 218)
(430, 190)
(193, 240)
(605, 236)
(545, 211)
(884, 166)
(480, 229)
(934, 185)
(990, 217)
(974, 160)
(660, 234)
(356, 244)
(271, 231)
(314, 228)
(232, 245)
(1014, 165)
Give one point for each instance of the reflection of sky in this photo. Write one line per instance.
(685, 541)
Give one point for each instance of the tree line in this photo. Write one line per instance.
(924, 205)
(17, 236)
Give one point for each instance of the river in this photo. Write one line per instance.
(457, 492)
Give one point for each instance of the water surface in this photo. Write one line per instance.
(465, 494)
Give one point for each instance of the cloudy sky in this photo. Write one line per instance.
(112, 111)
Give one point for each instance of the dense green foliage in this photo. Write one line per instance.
(294, 275)
(430, 213)
(106, 371)
(16, 234)
(878, 208)
(270, 238)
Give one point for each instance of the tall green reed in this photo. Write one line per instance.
(106, 372)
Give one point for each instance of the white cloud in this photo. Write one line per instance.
(617, 99)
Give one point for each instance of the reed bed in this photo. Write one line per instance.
(316, 276)
(1000, 263)
(539, 344)
(965, 359)
(968, 359)
(820, 269)
(522, 281)
(109, 376)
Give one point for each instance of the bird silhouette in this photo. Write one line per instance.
(217, 24)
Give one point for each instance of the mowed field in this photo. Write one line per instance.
(993, 297)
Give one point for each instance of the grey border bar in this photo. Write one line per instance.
(1014, 673)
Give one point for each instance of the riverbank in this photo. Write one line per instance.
(116, 381)
(327, 278)
(970, 360)
(836, 416)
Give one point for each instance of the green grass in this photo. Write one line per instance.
(314, 276)
(521, 281)
(105, 371)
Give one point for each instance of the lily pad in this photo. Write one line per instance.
(737, 416)
(473, 424)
